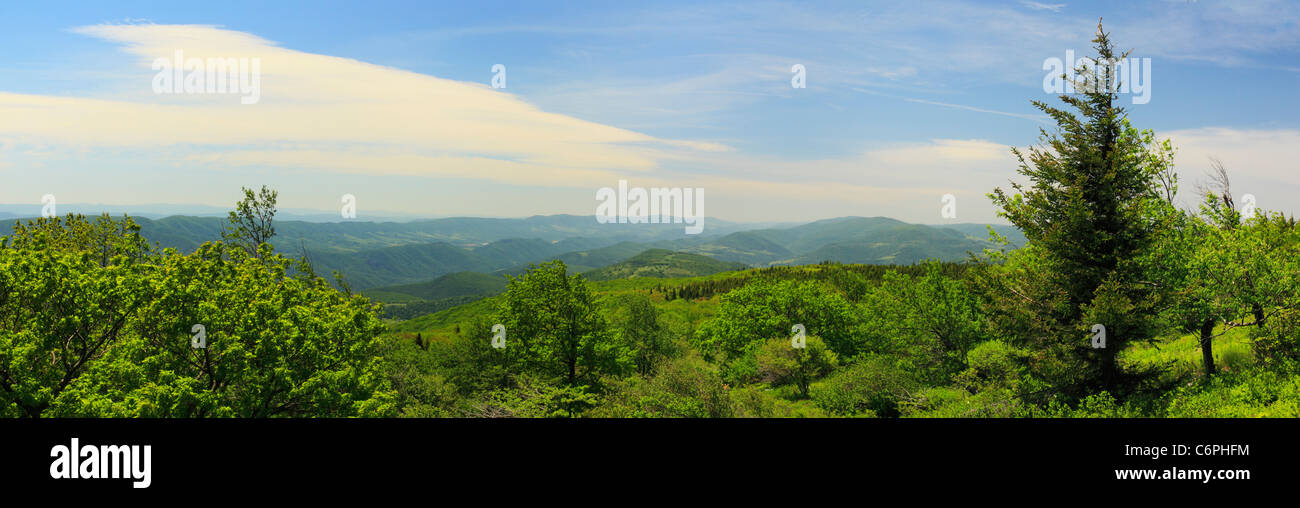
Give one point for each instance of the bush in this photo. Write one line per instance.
(1256, 393)
(1100, 405)
(680, 388)
(945, 402)
(763, 309)
(756, 402)
(780, 363)
(532, 397)
(931, 318)
(992, 365)
(96, 325)
(421, 390)
(876, 384)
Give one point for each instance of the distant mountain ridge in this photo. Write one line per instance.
(417, 262)
(188, 232)
(378, 254)
(873, 240)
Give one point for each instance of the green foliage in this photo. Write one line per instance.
(1179, 357)
(875, 385)
(1097, 202)
(86, 335)
(1270, 392)
(779, 362)
(993, 365)
(756, 402)
(764, 309)
(945, 402)
(930, 318)
(1278, 343)
(420, 389)
(471, 363)
(852, 281)
(664, 263)
(104, 239)
(646, 339)
(446, 286)
(680, 388)
(61, 310)
(249, 224)
(1099, 405)
(1005, 336)
(534, 398)
(1201, 309)
(554, 328)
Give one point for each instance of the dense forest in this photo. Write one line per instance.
(1122, 304)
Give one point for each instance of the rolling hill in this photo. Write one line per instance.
(900, 243)
(586, 260)
(664, 263)
(188, 232)
(448, 286)
(407, 301)
(873, 240)
(376, 254)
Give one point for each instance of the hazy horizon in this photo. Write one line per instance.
(151, 210)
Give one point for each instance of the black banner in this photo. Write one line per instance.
(334, 456)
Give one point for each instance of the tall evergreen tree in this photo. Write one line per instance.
(1093, 206)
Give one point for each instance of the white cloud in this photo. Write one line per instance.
(906, 180)
(1043, 7)
(332, 113)
(1038, 117)
(1259, 161)
(903, 180)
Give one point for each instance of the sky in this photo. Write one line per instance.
(393, 103)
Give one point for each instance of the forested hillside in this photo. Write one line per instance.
(663, 263)
(370, 255)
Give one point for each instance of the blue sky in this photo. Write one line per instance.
(389, 101)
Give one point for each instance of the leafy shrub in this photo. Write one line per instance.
(757, 402)
(763, 309)
(780, 363)
(532, 397)
(422, 390)
(1254, 393)
(945, 402)
(681, 388)
(992, 365)
(876, 384)
(930, 318)
(93, 324)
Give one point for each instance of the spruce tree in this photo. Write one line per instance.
(1093, 207)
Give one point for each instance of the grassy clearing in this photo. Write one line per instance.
(1181, 356)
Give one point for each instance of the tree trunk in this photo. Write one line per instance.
(1207, 346)
(1108, 369)
(573, 365)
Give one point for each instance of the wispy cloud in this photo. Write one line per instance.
(1037, 118)
(1259, 161)
(333, 113)
(1042, 7)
